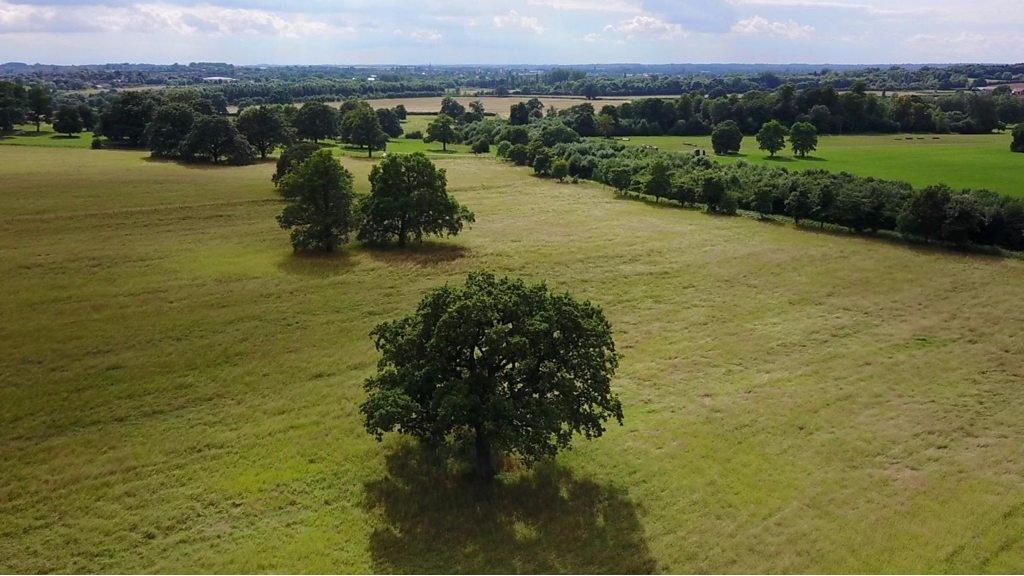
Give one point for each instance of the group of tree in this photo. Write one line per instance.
(870, 205)
(803, 137)
(827, 109)
(408, 200)
(37, 105)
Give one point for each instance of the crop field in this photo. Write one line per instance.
(180, 392)
(966, 161)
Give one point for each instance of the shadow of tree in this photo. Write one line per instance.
(546, 521)
(316, 264)
(417, 253)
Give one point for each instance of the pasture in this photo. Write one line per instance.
(960, 160)
(180, 391)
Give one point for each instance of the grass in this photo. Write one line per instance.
(26, 135)
(966, 161)
(179, 391)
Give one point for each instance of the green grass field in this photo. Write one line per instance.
(965, 161)
(27, 136)
(179, 391)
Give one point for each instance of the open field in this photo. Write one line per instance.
(499, 104)
(26, 135)
(966, 161)
(179, 391)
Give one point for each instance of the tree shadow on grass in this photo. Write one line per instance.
(316, 264)
(417, 253)
(783, 159)
(810, 158)
(545, 521)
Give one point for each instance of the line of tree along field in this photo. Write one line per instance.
(866, 205)
(830, 111)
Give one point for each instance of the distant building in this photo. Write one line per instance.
(218, 79)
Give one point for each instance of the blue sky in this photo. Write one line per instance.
(502, 32)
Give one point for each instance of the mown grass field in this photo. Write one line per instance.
(966, 161)
(179, 391)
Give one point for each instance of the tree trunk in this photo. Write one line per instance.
(369, 151)
(402, 233)
(484, 465)
(444, 145)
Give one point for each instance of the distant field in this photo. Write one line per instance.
(968, 161)
(26, 135)
(499, 105)
(179, 391)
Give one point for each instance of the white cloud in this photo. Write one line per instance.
(513, 19)
(647, 25)
(420, 35)
(161, 17)
(588, 5)
(759, 25)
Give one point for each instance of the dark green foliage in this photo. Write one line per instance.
(409, 199)
(542, 162)
(214, 138)
(316, 121)
(444, 130)
(319, 211)
(264, 127)
(560, 169)
(481, 147)
(400, 112)
(361, 127)
(167, 131)
(125, 118)
(40, 105)
(772, 137)
(451, 107)
(803, 137)
(1018, 138)
(293, 156)
(519, 114)
(800, 203)
(714, 195)
(390, 123)
(96, 143)
(414, 135)
(925, 213)
(519, 155)
(504, 147)
(13, 104)
(726, 138)
(67, 120)
(657, 181)
(511, 367)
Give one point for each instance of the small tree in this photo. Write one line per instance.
(401, 112)
(409, 198)
(504, 147)
(264, 127)
(362, 128)
(291, 158)
(451, 107)
(606, 125)
(509, 366)
(803, 137)
(560, 169)
(319, 213)
(542, 162)
(772, 137)
(657, 181)
(67, 121)
(1018, 138)
(726, 138)
(620, 178)
(316, 121)
(481, 146)
(519, 155)
(170, 126)
(40, 105)
(390, 123)
(214, 138)
(444, 130)
(800, 203)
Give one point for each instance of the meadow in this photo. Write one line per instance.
(499, 104)
(960, 160)
(180, 391)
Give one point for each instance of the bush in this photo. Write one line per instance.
(519, 155)
(414, 135)
(481, 147)
(1018, 138)
(97, 143)
(504, 147)
(560, 169)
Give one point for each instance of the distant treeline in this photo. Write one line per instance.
(274, 84)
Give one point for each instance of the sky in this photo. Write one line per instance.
(511, 32)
